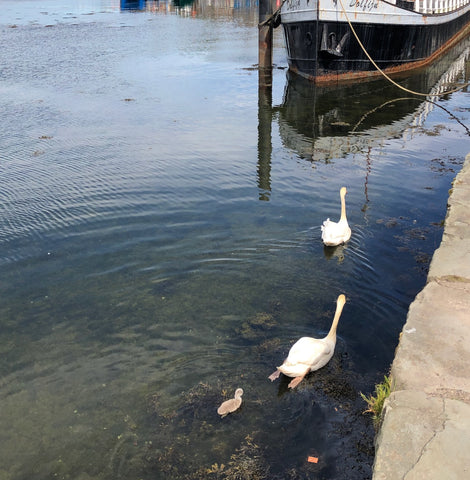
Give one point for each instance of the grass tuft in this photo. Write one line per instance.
(375, 403)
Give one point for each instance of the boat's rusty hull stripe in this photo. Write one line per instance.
(304, 43)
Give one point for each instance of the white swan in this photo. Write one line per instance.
(231, 405)
(336, 233)
(309, 354)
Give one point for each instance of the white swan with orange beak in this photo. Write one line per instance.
(310, 354)
(336, 233)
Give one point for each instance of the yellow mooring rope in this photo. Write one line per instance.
(384, 74)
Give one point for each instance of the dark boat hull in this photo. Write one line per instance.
(324, 50)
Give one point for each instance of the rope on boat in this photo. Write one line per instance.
(275, 19)
(384, 74)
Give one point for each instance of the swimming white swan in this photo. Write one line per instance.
(309, 354)
(336, 233)
(231, 405)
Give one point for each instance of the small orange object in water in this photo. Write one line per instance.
(312, 459)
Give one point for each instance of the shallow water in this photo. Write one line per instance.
(160, 237)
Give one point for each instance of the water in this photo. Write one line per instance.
(160, 239)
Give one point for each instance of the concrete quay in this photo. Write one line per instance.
(425, 433)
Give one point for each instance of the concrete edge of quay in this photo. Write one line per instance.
(425, 430)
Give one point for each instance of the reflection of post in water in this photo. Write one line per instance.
(368, 171)
(264, 141)
(265, 81)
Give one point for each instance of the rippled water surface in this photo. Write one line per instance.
(160, 242)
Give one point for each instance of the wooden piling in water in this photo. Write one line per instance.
(265, 43)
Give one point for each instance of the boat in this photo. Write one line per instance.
(345, 40)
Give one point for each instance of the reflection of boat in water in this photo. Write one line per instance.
(182, 3)
(323, 122)
(214, 9)
(327, 40)
(132, 4)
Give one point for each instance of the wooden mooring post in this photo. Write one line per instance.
(265, 43)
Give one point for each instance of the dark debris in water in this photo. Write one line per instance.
(246, 463)
(390, 222)
(197, 402)
(445, 166)
(436, 130)
(412, 238)
(256, 326)
(267, 346)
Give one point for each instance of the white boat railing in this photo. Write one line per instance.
(438, 6)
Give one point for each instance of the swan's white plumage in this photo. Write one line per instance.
(336, 233)
(310, 354)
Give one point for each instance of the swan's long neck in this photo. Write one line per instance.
(339, 308)
(343, 206)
